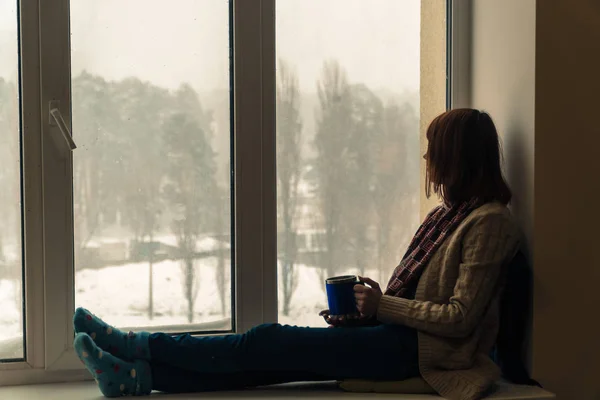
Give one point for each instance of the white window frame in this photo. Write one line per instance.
(32, 197)
(254, 156)
(47, 177)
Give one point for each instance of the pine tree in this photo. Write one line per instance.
(98, 182)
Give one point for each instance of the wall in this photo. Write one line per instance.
(433, 79)
(566, 332)
(503, 83)
(536, 70)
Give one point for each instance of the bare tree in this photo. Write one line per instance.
(289, 147)
(333, 120)
(222, 226)
(366, 129)
(394, 183)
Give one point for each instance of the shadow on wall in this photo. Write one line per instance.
(520, 178)
(521, 182)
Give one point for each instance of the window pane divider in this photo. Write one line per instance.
(254, 160)
(57, 167)
(458, 50)
(32, 202)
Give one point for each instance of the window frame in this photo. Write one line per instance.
(45, 76)
(31, 179)
(458, 53)
(255, 180)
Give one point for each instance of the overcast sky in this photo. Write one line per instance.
(169, 42)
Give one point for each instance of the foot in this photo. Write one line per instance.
(127, 346)
(115, 377)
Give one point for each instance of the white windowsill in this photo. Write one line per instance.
(89, 391)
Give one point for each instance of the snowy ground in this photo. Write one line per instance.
(10, 309)
(120, 294)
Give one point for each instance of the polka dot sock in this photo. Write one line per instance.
(115, 377)
(127, 346)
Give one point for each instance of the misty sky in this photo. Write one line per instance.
(175, 41)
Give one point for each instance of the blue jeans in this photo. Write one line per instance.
(272, 353)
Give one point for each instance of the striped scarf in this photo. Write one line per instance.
(440, 223)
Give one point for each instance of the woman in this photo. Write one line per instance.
(438, 317)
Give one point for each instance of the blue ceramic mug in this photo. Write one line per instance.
(340, 294)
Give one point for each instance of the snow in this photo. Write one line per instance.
(120, 294)
(103, 241)
(202, 244)
(10, 318)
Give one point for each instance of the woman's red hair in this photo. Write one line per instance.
(464, 158)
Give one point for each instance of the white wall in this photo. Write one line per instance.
(503, 84)
(433, 80)
(535, 68)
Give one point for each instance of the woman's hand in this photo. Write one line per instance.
(351, 320)
(367, 298)
(336, 320)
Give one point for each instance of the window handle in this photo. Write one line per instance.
(56, 119)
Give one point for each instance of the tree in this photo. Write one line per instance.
(394, 183)
(366, 118)
(289, 131)
(190, 183)
(142, 109)
(222, 226)
(97, 166)
(333, 120)
(10, 195)
(9, 174)
(117, 169)
(218, 101)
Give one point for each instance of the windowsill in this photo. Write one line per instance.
(89, 391)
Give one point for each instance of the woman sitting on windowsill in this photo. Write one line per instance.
(438, 317)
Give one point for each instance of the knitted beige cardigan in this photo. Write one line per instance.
(456, 306)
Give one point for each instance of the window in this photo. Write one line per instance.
(152, 245)
(347, 144)
(11, 262)
(230, 156)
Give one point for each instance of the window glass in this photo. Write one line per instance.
(348, 75)
(11, 260)
(152, 193)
